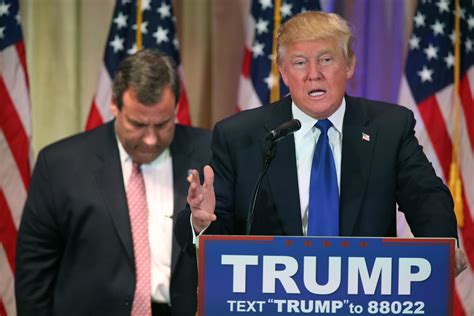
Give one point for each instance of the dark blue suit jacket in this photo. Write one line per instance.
(376, 175)
(75, 249)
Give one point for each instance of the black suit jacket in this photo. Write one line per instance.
(377, 174)
(75, 250)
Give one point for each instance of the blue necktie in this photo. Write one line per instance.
(323, 217)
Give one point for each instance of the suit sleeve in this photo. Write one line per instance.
(38, 246)
(223, 185)
(421, 195)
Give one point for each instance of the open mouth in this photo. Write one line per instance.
(316, 93)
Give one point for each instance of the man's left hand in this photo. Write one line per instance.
(460, 263)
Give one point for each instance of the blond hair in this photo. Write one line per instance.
(315, 25)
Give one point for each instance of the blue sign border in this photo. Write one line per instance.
(439, 252)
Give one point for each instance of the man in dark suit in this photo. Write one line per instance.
(376, 157)
(76, 252)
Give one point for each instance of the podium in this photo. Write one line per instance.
(268, 275)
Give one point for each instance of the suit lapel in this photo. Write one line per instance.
(109, 179)
(282, 174)
(358, 145)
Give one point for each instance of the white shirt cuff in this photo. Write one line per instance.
(195, 237)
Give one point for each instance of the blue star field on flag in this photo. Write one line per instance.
(263, 15)
(10, 29)
(430, 62)
(157, 28)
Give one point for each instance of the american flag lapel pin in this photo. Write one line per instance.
(365, 137)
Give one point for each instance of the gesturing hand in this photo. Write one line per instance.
(460, 262)
(201, 199)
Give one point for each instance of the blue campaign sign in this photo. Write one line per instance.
(325, 276)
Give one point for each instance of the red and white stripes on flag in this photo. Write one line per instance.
(16, 159)
(439, 63)
(135, 25)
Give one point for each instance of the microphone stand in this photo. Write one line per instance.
(269, 155)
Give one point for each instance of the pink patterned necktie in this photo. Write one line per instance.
(137, 206)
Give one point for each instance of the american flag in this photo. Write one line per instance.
(157, 30)
(259, 74)
(438, 86)
(15, 145)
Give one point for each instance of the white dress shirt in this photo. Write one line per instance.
(158, 176)
(305, 145)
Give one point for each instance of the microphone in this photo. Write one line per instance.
(273, 136)
(283, 130)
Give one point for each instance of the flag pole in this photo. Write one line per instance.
(138, 33)
(275, 75)
(455, 184)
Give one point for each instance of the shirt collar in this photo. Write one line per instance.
(307, 122)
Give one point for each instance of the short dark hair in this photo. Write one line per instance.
(146, 72)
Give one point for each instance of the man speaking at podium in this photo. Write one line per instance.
(342, 174)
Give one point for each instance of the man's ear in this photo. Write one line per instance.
(114, 108)
(283, 73)
(351, 67)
